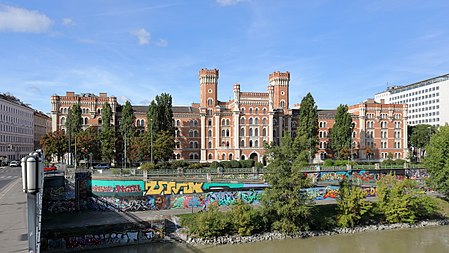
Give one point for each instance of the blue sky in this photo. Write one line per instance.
(340, 51)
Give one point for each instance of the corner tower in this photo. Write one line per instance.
(208, 87)
(280, 82)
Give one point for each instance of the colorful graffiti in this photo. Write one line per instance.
(117, 188)
(331, 192)
(167, 188)
(53, 241)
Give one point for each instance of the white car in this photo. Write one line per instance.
(14, 164)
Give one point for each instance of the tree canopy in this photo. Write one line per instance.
(74, 121)
(307, 130)
(107, 136)
(55, 143)
(340, 133)
(436, 160)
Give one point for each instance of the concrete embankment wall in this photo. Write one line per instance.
(101, 236)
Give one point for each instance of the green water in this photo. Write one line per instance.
(423, 240)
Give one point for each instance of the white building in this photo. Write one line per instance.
(428, 100)
(16, 128)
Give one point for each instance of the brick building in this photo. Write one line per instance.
(379, 129)
(42, 126)
(215, 130)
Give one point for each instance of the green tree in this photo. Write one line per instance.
(420, 137)
(87, 142)
(437, 160)
(54, 144)
(127, 127)
(351, 205)
(307, 131)
(283, 203)
(160, 125)
(340, 133)
(163, 146)
(246, 220)
(402, 200)
(74, 121)
(107, 136)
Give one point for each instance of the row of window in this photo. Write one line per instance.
(15, 129)
(15, 139)
(384, 155)
(7, 148)
(414, 93)
(413, 122)
(65, 110)
(433, 101)
(422, 115)
(424, 109)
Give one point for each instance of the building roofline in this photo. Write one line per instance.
(399, 88)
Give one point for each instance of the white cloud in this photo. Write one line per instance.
(67, 22)
(13, 19)
(143, 35)
(229, 2)
(162, 43)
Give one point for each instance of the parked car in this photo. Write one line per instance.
(50, 168)
(101, 166)
(14, 164)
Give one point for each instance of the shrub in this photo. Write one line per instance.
(195, 166)
(328, 162)
(212, 223)
(259, 165)
(352, 208)
(246, 220)
(179, 164)
(226, 164)
(247, 163)
(235, 164)
(148, 166)
(215, 165)
(402, 200)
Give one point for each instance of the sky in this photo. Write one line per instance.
(343, 52)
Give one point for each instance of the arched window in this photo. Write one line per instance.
(250, 110)
(243, 157)
(256, 121)
(243, 110)
(242, 143)
(85, 121)
(227, 132)
(264, 121)
(191, 133)
(242, 131)
(209, 144)
(256, 132)
(223, 157)
(223, 122)
(209, 122)
(210, 102)
(250, 143)
(209, 133)
(195, 133)
(227, 144)
(256, 111)
(282, 104)
(228, 122)
(177, 145)
(242, 120)
(250, 132)
(250, 121)
(223, 133)
(177, 133)
(264, 110)
(256, 143)
(264, 132)
(62, 120)
(178, 156)
(178, 122)
(230, 156)
(210, 156)
(99, 121)
(191, 144)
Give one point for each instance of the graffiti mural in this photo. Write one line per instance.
(99, 238)
(167, 188)
(117, 188)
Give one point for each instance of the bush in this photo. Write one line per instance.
(259, 165)
(215, 165)
(352, 207)
(247, 163)
(212, 223)
(402, 200)
(328, 162)
(235, 164)
(148, 166)
(246, 220)
(195, 166)
(179, 164)
(226, 164)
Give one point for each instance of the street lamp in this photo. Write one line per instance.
(151, 142)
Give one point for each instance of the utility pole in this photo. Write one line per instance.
(151, 137)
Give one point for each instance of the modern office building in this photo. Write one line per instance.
(16, 128)
(427, 100)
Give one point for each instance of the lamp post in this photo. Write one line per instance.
(151, 141)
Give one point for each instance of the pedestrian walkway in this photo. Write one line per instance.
(13, 218)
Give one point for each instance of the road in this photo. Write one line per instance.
(13, 223)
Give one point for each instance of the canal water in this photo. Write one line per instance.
(421, 240)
